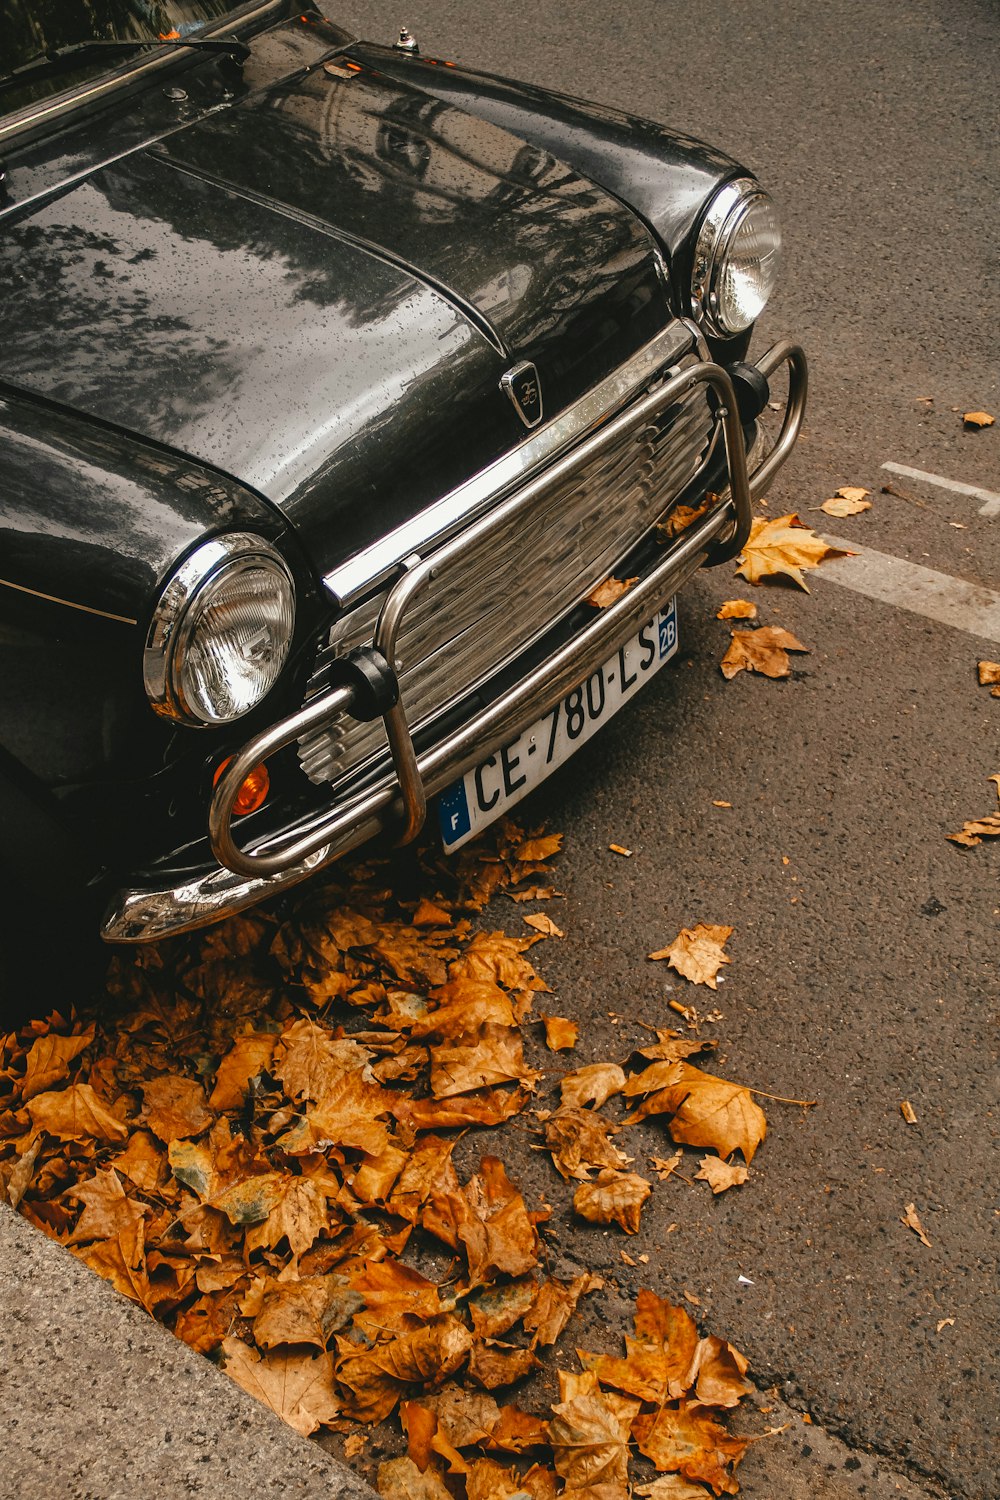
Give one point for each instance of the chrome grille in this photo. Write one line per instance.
(518, 582)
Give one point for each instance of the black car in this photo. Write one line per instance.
(361, 417)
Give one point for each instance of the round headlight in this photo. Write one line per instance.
(221, 631)
(736, 258)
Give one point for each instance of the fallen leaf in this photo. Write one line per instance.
(75, 1114)
(493, 1055)
(764, 650)
(737, 609)
(248, 1056)
(492, 1364)
(496, 1309)
(721, 1175)
(49, 1058)
(488, 1220)
(945, 1323)
(306, 1311)
(973, 832)
(400, 1479)
(722, 804)
(590, 1439)
(910, 1219)
(609, 591)
(579, 1141)
(429, 914)
(849, 501)
(594, 1084)
(121, 1259)
(708, 1111)
(717, 1373)
(533, 851)
(299, 1216)
(989, 673)
(545, 925)
(665, 1167)
(613, 1198)
(782, 545)
(697, 953)
(310, 1062)
(375, 1379)
(683, 1439)
(908, 1112)
(683, 516)
(298, 1387)
(107, 1210)
(555, 1304)
(560, 1033)
(671, 1487)
(174, 1107)
(978, 419)
(670, 1046)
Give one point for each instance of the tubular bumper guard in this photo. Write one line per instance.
(246, 875)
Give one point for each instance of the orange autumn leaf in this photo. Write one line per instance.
(579, 1141)
(107, 1210)
(978, 419)
(989, 676)
(306, 1311)
(534, 850)
(49, 1059)
(782, 545)
(544, 924)
(488, 1220)
(658, 1363)
(75, 1114)
(248, 1056)
(496, 1309)
(609, 591)
(683, 1439)
(121, 1259)
(708, 1111)
(296, 1385)
(560, 1033)
(555, 1304)
(721, 1175)
(683, 516)
(613, 1198)
(485, 1107)
(589, 1434)
(494, 1054)
(400, 1479)
(594, 1084)
(174, 1107)
(698, 952)
(670, 1046)
(493, 1364)
(764, 650)
(737, 609)
(310, 1062)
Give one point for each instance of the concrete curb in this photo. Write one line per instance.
(101, 1403)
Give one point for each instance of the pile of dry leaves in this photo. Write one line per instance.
(254, 1142)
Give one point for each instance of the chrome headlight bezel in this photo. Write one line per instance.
(726, 213)
(175, 620)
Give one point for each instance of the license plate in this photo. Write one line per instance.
(500, 781)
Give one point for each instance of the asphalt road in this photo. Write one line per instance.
(865, 952)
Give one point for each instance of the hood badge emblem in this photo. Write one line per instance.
(525, 391)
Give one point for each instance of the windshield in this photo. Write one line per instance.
(31, 27)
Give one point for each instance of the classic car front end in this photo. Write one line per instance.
(336, 381)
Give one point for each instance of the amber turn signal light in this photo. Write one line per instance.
(253, 793)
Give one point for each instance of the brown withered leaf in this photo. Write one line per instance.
(424, 1438)
(594, 1084)
(142, 1161)
(496, 1309)
(683, 516)
(560, 1033)
(683, 1439)
(487, 1107)
(248, 1056)
(721, 1175)
(579, 1142)
(555, 1304)
(613, 1198)
(589, 1434)
(252, 1200)
(462, 1006)
(429, 914)
(534, 850)
(978, 419)
(497, 956)
(718, 1372)
(764, 650)
(462, 1417)
(400, 1479)
(911, 1219)
(307, 1311)
(659, 1075)
(75, 1113)
(849, 501)
(299, 1216)
(671, 1487)
(737, 609)
(609, 591)
(708, 1111)
(670, 1046)
(376, 1378)
(15, 1184)
(782, 545)
(349, 1114)
(107, 1210)
(658, 1362)
(310, 1062)
(48, 1060)
(989, 675)
(204, 1323)
(544, 924)
(375, 1178)
(977, 829)
(298, 1387)
(121, 1259)
(493, 1365)
(397, 1298)
(488, 1220)
(488, 1480)
(665, 1167)
(494, 1055)
(427, 1169)
(698, 952)
(174, 1107)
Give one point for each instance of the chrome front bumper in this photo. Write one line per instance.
(243, 877)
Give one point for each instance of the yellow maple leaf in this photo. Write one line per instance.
(698, 952)
(613, 1198)
(764, 650)
(782, 546)
(978, 419)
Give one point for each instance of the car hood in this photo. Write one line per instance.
(317, 289)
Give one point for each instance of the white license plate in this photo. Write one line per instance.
(502, 779)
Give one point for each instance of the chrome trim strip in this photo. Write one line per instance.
(435, 524)
(34, 115)
(88, 609)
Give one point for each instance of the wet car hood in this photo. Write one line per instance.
(317, 289)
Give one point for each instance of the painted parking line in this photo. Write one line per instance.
(893, 580)
(990, 499)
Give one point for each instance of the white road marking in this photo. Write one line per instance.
(892, 580)
(990, 499)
